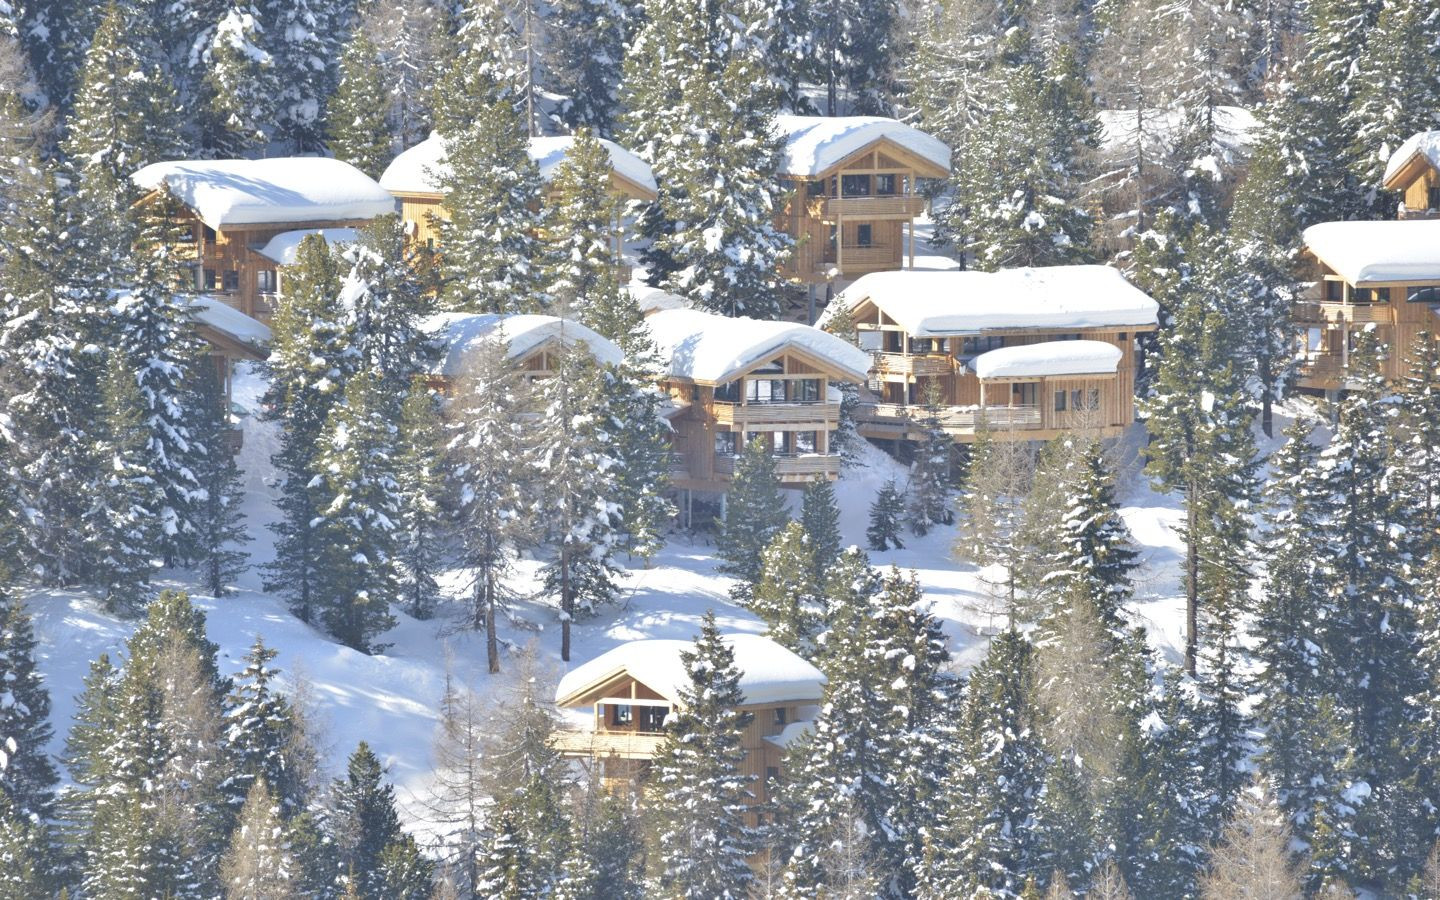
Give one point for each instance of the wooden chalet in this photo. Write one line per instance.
(628, 692)
(852, 193)
(416, 177)
(235, 208)
(1027, 353)
(1383, 276)
(1413, 173)
(731, 380)
(532, 342)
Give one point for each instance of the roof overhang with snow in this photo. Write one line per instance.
(1418, 153)
(421, 170)
(769, 672)
(705, 348)
(282, 248)
(1378, 254)
(459, 334)
(1048, 358)
(815, 146)
(944, 303)
(229, 329)
(240, 193)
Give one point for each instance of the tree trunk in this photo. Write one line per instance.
(567, 603)
(1192, 577)
(492, 643)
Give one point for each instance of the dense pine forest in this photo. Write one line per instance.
(1022, 696)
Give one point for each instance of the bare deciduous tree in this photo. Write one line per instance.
(1253, 860)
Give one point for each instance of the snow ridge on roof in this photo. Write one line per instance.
(707, 347)
(283, 247)
(939, 303)
(1377, 252)
(769, 672)
(422, 168)
(814, 144)
(1049, 358)
(1426, 144)
(229, 321)
(460, 333)
(262, 191)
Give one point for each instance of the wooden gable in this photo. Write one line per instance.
(884, 154)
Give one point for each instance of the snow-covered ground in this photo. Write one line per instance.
(390, 700)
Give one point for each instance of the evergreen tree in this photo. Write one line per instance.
(643, 448)
(507, 869)
(358, 544)
(242, 89)
(586, 48)
(412, 37)
(929, 489)
(385, 303)
(787, 596)
(820, 517)
(266, 737)
(259, 864)
(754, 514)
(886, 515)
(366, 830)
(698, 812)
(306, 38)
(1417, 446)
(420, 479)
(854, 45)
(580, 264)
(27, 775)
(219, 523)
(28, 856)
(356, 115)
(605, 857)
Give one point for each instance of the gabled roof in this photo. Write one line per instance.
(421, 169)
(1423, 148)
(282, 248)
(1377, 253)
(233, 192)
(1049, 358)
(813, 145)
(940, 303)
(712, 349)
(460, 333)
(769, 672)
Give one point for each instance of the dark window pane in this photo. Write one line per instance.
(863, 235)
(855, 185)
(886, 184)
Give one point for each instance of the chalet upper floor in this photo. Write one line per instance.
(533, 343)
(1028, 353)
(239, 214)
(852, 189)
(733, 380)
(627, 694)
(1413, 173)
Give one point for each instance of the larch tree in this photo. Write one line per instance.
(457, 801)
(259, 865)
(412, 37)
(356, 118)
(1254, 858)
(702, 841)
(754, 514)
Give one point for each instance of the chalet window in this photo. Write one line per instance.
(815, 188)
(779, 715)
(864, 235)
(1024, 394)
(1335, 291)
(1424, 295)
(209, 234)
(855, 185)
(806, 390)
(232, 280)
(1092, 398)
(772, 773)
(265, 281)
(1086, 399)
(886, 185)
(207, 280)
(974, 346)
(729, 392)
(783, 443)
(1066, 337)
(725, 443)
(1432, 198)
(805, 441)
(765, 390)
(1059, 401)
(622, 714)
(1372, 295)
(652, 718)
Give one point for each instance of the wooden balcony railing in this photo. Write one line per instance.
(821, 413)
(1323, 368)
(1353, 313)
(897, 206)
(931, 364)
(953, 419)
(789, 465)
(619, 744)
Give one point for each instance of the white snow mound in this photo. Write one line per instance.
(1049, 358)
(263, 191)
(1378, 252)
(423, 168)
(816, 144)
(706, 347)
(283, 247)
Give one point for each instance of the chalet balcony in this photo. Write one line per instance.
(904, 365)
(600, 744)
(789, 466)
(855, 260)
(1407, 214)
(1334, 312)
(679, 466)
(894, 206)
(821, 414)
(901, 418)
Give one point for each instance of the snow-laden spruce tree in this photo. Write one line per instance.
(384, 303)
(56, 34)
(356, 117)
(787, 596)
(507, 866)
(643, 449)
(259, 864)
(241, 90)
(217, 518)
(580, 256)
(1417, 447)
(420, 478)
(306, 38)
(376, 857)
(584, 54)
(820, 517)
(487, 449)
(853, 54)
(755, 512)
(606, 850)
(887, 517)
(27, 774)
(575, 460)
(411, 37)
(358, 515)
(697, 792)
(266, 736)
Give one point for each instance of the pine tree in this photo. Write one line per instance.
(820, 517)
(259, 864)
(27, 776)
(219, 523)
(787, 596)
(643, 448)
(1417, 447)
(853, 53)
(366, 829)
(580, 256)
(754, 514)
(28, 856)
(385, 304)
(306, 38)
(420, 479)
(266, 737)
(605, 856)
(57, 35)
(242, 90)
(886, 515)
(698, 812)
(487, 449)
(585, 51)
(356, 114)
(358, 544)
(929, 489)
(507, 869)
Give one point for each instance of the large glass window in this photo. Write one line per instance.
(265, 281)
(729, 392)
(1024, 394)
(1335, 291)
(726, 443)
(652, 718)
(765, 390)
(806, 390)
(805, 442)
(1433, 197)
(974, 346)
(1060, 401)
(232, 280)
(887, 184)
(1372, 295)
(864, 235)
(621, 714)
(1429, 295)
(855, 185)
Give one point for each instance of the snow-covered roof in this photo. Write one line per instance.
(281, 249)
(1049, 358)
(422, 168)
(1378, 252)
(816, 144)
(769, 673)
(1235, 129)
(706, 347)
(229, 321)
(938, 303)
(653, 299)
(460, 333)
(1426, 145)
(229, 192)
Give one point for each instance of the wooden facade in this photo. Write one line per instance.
(1333, 312)
(857, 216)
(910, 375)
(1417, 183)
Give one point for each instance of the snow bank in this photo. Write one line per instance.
(942, 303)
(653, 299)
(1235, 130)
(262, 191)
(282, 247)
(422, 168)
(705, 347)
(769, 673)
(815, 144)
(229, 321)
(1049, 358)
(460, 333)
(1378, 252)
(1425, 144)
